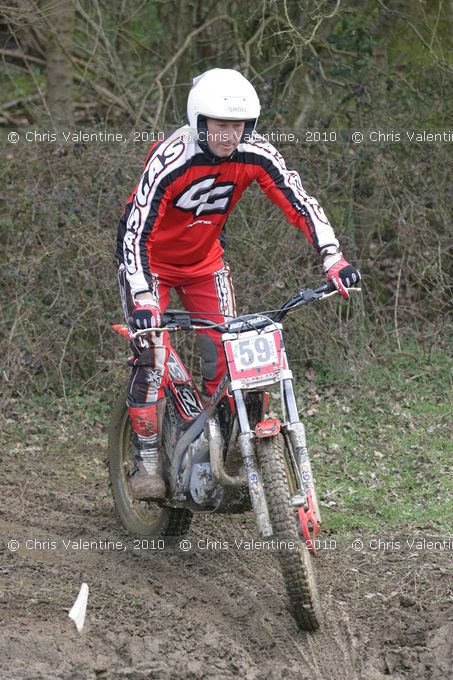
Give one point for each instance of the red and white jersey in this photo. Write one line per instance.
(176, 213)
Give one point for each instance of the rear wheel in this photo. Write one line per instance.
(138, 517)
(296, 564)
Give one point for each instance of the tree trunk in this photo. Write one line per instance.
(60, 22)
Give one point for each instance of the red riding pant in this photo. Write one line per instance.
(210, 296)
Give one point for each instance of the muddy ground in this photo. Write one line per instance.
(205, 613)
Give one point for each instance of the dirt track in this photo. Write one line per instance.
(204, 613)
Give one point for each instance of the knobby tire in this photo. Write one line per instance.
(296, 565)
(138, 517)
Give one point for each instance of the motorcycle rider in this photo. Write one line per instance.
(170, 236)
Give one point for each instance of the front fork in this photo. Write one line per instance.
(246, 440)
(295, 434)
(295, 431)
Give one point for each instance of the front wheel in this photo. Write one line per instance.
(138, 517)
(296, 563)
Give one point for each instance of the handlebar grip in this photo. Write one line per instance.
(328, 287)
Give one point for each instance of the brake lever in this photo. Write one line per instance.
(309, 295)
(336, 292)
(147, 331)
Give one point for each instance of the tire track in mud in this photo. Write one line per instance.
(206, 613)
(230, 607)
(310, 655)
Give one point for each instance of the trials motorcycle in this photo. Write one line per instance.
(229, 460)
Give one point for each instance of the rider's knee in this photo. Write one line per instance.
(209, 355)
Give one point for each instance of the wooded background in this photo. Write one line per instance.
(321, 66)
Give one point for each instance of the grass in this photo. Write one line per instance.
(382, 453)
(379, 435)
(64, 444)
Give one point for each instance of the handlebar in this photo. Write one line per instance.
(182, 320)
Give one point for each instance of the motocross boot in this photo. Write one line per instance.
(146, 481)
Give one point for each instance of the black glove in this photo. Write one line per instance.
(145, 317)
(343, 276)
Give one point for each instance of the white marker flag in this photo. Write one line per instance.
(79, 609)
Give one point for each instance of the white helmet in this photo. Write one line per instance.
(225, 94)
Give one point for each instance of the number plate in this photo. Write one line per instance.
(255, 358)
